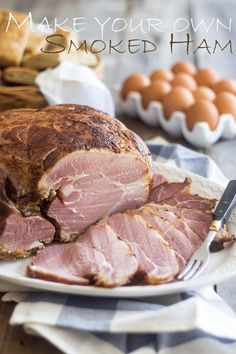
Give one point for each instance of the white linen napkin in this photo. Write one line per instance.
(74, 83)
(182, 323)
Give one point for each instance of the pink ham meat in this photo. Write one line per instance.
(147, 245)
(189, 213)
(98, 257)
(20, 235)
(117, 253)
(158, 180)
(68, 263)
(178, 194)
(176, 239)
(157, 262)
(199, 222)
(166, 213)
(191, 201)
(94, 184)
(166, 190)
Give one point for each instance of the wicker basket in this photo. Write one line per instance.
(21, 97)
(25, 96)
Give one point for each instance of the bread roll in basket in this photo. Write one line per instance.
(21, 59)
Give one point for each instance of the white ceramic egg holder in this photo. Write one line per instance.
(201, 135)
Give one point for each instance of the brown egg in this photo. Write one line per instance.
(225, 85)
(184, 66)
(186, 80)
(178, 99)
(202, 111)
(205, 93)
(206, 77)
(134, 83)
(155, 92)
(226, 103)
(162, 74)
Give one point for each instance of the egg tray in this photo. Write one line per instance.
(201, 136)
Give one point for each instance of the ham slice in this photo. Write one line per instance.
(176, 240)
(197, 220)
(20, 235)
(167, 213)
(166, 190)
(194, 223)
(157, 262)
(178, 194)
(191, 201)
(97, 258)
(67, 263)
(158, 180)
(124, 265)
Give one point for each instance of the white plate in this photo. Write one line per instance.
(222, 265)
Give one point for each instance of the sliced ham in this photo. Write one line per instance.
(147, 245)
(192, 201)
(177, 240)
(68, 263)
(70, 172)
(178, 194)
(197, 220)
(124, 264)
(168, 190)
(167, 213)
(157, 263)
(98, 258)
(20, 235)
(118, 250)
(158, 180)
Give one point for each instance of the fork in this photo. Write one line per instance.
(224, 209)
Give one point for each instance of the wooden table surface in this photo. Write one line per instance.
(13, 340)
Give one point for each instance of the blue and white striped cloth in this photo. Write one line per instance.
(194, 322)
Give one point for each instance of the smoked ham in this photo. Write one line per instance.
(178, 194)
(99, 257)
(77, 187)
(143, 255)
(65, 167)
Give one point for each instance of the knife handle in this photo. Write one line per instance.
(226, 204)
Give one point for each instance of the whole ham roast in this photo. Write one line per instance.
(62, 168)
(77, 187)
